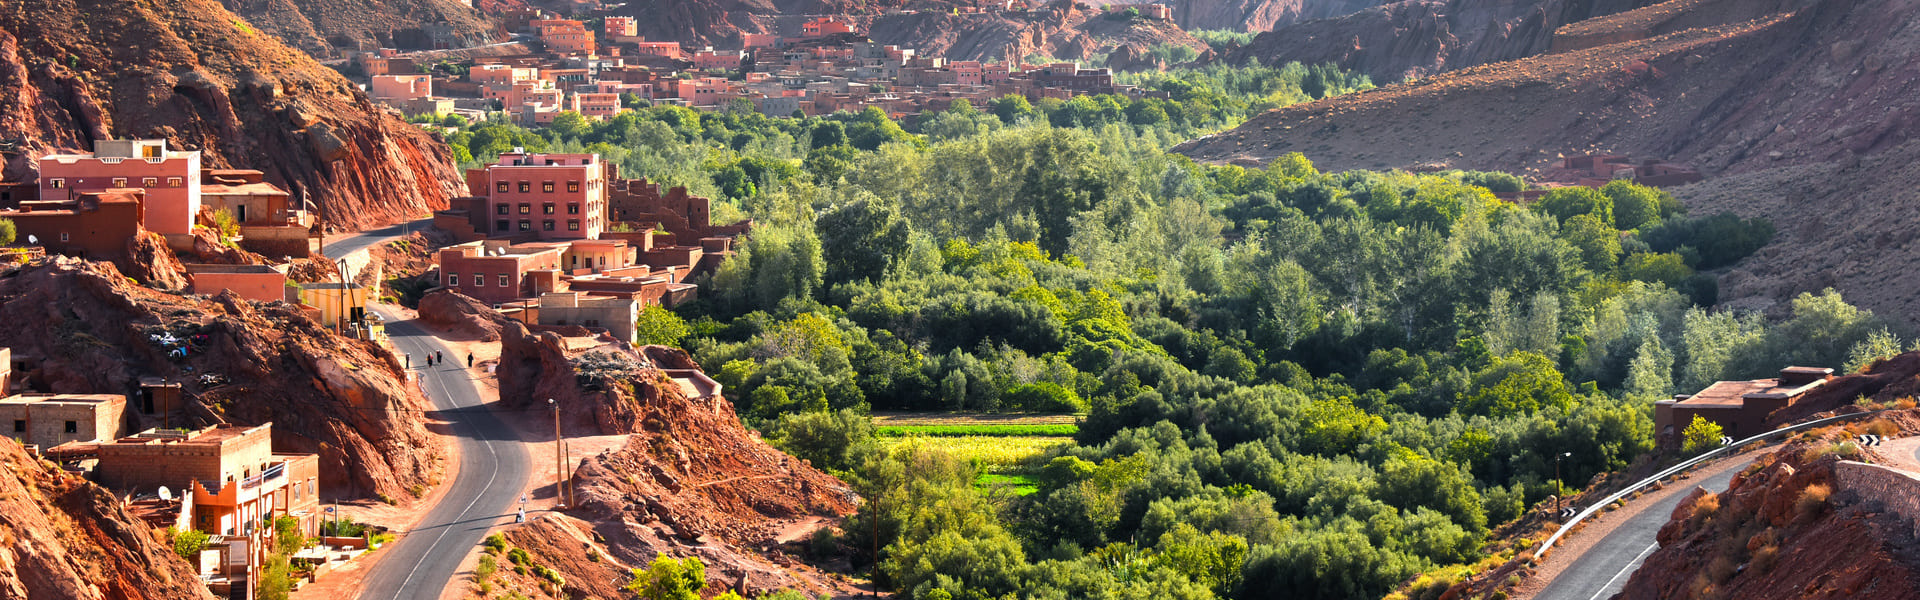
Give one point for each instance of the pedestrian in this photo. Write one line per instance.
(437, 357)
(409, 361)
(469, 360)
(521, 517)
(429, 360)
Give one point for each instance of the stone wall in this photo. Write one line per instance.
(1898, 491)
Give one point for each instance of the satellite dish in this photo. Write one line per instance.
(166, 494)
(32, 240)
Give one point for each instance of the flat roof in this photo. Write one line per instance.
(236, 269)
(57, 399)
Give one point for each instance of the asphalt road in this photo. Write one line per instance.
(350, 245)
(1605, 567)
(493, 471)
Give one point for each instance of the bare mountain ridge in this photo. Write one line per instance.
(318, 26)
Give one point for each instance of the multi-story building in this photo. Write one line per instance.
(597, 107)
(824, 26)
(171, 179)
(622, 26)
(565, 36)
(233, 476)
(615, 314)
(709, 58)
(550, 196)
(95, 225)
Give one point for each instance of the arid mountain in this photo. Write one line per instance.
(82, 327)
(719, 23)
(68, 539)
(1254, 15)
(318, 26)
(1414, 38)
(73, 71)
(1064, 31)
(1798, 111)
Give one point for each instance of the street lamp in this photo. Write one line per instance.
(1560, 487)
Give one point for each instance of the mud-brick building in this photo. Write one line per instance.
(95, 225)
(230, 474)
(1740, 408)
(48, 420)
(171, 179)
(260, 283)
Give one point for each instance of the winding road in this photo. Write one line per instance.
(1604, 568)
(493, 466)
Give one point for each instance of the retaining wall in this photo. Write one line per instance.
(1898, 491)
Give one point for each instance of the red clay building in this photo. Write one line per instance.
(494, 271)
(91, 225)
(1739, 407)
(171, 179)
(551, 196)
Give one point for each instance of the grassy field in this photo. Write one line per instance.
(995, 430)
(907, 419)
(997, 453)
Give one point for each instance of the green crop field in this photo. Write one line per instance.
(988, 430)
(997, 453)
(904, 419)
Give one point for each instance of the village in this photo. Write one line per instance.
(829, 67)
(557, 241)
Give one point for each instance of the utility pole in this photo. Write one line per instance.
(1559, 487)
(559, 468)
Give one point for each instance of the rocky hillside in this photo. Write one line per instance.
(68, 539)
(319, 26)
(1414, 38)
(690, 481)
(1794, 115)
(72, 71)
(1253, 15)
(1065, 32)
(81, 327)
(1785, 528)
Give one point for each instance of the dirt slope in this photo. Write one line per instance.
(1804, 115)
(317, 26)
(72, 71)
(1414, 38)
(1065, 32)
(81, 327)
(68, 539)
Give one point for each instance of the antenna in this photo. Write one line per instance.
(166, 494)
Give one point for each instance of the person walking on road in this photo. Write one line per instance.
(437, 357)
(469, 360)
(409, 361)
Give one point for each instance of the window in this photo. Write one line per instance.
(546, 209)
(500, 209)
(502, 225)
(526, 225)
(63, 236)
(479, 280)
(573, 208)
(546, 225)
(500, 187)
(546, 186)
(150, 182)
(57, 183)
(173, 182)
(526, 208)
(525, 187)
(573, 186)
(19, 426)
(73, 427)
(573, 224)
(603, 261)
(119, 182)
(503, 282)
(150, 151)
(453, 280)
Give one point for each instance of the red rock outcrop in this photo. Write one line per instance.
(1064, 31)
(82, 328)
(1783, 529)
(461, 317)
(68, 539)
(73, 71)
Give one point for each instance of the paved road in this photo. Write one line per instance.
(1605, 567)
(493, 471)
(344, 246)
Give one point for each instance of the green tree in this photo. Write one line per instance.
(658, 325)
(1564, 203)
(836, 441)
(1598, 243)
(1666, 268)
(1634, 205)
(1520, 383)
(669, 579)
(7, 232)
(567, 125)
(188, 543)
(860, 241)
(1700, 436)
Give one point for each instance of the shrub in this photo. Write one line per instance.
(1812, 499)
(519, 557)
(1706, 506)
(1700, 435)
(487, 567)
(188, 543)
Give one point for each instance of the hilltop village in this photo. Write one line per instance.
(829, 67)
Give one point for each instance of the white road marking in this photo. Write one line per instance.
(462, 517)
(1624, 570)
